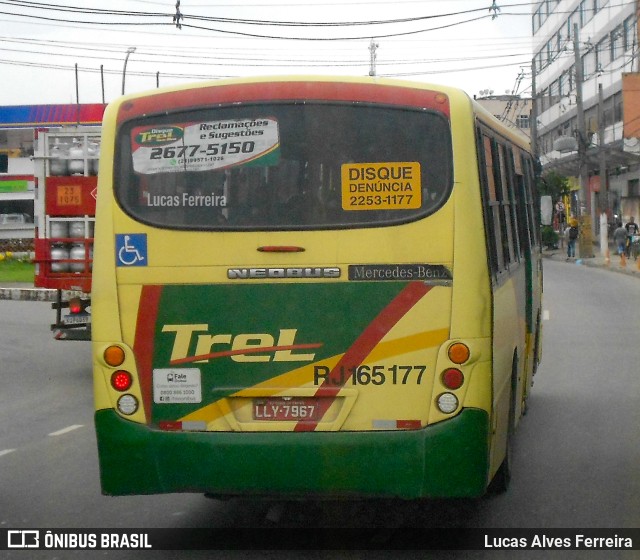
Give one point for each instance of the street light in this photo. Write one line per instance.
(130, 50)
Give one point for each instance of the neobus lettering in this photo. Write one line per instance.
(245, 347)
(249, 273)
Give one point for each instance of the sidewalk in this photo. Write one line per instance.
(598, 261)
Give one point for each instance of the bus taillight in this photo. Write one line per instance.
(121, 380)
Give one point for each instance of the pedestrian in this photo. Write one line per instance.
(620, 238)
(632, 229)
(571, 235)
(560, 211)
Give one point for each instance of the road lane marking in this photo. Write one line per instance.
(66, 430)
(545, 315)
(6, 452)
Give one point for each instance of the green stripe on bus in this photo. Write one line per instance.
(449, 459)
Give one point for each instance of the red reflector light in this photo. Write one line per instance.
(170, 426)
(452, 378)
(121, 380)
(408, 424)
(75, 305)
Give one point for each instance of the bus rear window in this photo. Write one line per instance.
(284, 166)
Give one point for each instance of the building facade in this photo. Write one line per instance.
(514, 111)
(582, 48)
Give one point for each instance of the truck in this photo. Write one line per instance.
(66, 181)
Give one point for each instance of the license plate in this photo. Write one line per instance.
(283, 409)
(77, 319)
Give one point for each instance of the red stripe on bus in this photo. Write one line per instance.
(364, 344)
(144, 341)
(290, 90)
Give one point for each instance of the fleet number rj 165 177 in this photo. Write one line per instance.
(365, 375)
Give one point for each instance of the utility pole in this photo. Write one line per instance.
(534, 111)
(604, 190)
(584, 218)
(373, 46)
(130, 51)
(77, 97)
(102, 81)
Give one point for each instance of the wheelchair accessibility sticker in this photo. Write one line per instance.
(131, 249)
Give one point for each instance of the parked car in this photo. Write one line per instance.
(11, 219)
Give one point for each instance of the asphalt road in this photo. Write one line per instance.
(577, 461)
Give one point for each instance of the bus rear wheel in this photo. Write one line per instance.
(502, 478)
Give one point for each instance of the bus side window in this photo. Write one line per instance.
(515, 201)
(490, 204)
(497, 190)
(532, 204)
(504, 191)
(522, 201)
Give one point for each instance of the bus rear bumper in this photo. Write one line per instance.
(449, 459)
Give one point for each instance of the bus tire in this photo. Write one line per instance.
(502, 478)
(536, 347)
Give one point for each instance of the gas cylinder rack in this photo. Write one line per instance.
(66, 169)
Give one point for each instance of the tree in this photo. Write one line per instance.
(554, 185)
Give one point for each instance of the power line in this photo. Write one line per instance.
(407, 47)
(253, 35)
(233, 60)
(288, 62)
(245, 21)
(194, 76)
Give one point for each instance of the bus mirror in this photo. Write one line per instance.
(546, 210)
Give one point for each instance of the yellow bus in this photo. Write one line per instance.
(312, 286)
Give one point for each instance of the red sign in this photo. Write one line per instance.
(71, 196)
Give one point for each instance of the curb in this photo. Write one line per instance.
(596, 262)
(28, 294)
(25, 291)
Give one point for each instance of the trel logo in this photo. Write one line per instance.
(244, 347)
(157, 136)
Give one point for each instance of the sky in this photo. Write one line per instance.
(477, 45)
